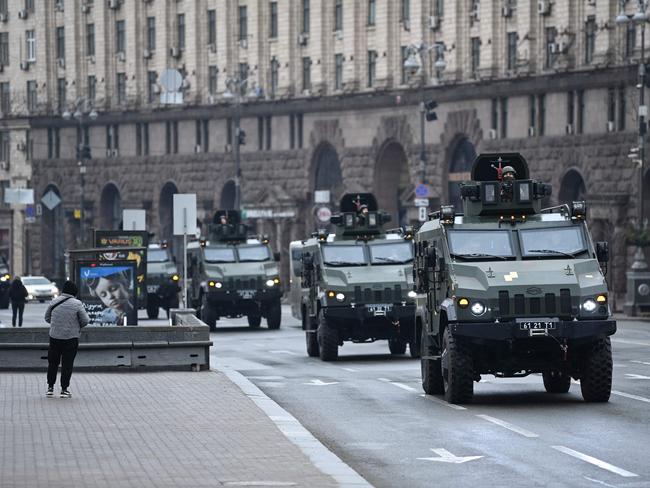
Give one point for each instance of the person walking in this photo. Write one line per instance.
(66, 316)
(18, 296)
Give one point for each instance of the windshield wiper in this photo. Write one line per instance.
(479, 255)
(552, 251)
(390, 260)
(343, 263)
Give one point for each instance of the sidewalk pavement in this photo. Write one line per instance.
(155, 429)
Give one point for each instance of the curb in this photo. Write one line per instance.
(324, 459)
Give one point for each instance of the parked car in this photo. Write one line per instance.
(40, 288)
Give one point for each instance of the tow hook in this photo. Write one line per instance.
(396, 324)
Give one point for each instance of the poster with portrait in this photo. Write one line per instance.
(127, 238)
(108, 291)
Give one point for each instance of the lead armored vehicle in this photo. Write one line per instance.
(357, 283)
(509, 289)
(233, 274)
(163, 280)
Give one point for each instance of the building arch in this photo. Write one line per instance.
(461, 160)
(327, 174)
(572, 187)
(228, 196)
(110, 208)
(53, 240)
(392, 183)
(166, 210)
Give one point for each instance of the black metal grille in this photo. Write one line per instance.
(378, 295)
(550, 303)
(504, 303)
(565, 301)
(535, 305)
(547, 305)
(367, 295)
(357, 293)
(520, 305)
(388, 295)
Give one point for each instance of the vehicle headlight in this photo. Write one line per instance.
(175, 277)
(340, 297)
(30, 297)
(589, 305)
(463, 302)
(477, 308)
(215, 284)
(411, 294)
(270, 283)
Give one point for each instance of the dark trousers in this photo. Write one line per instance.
(17, 308)
(63, 351)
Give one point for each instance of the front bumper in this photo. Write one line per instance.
(223, 297)
(363, 313)
(564, 329)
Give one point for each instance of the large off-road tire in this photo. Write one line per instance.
(208, 314)
(328, 339)
(396, 346)
(274, 316)
(254, 321)
(596, 379)
(431, 371)
(415, 344)
(311, 337)
(556, 382)
(457, 370)
(153, 306)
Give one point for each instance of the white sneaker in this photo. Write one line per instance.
(50, 392)
(66, 394)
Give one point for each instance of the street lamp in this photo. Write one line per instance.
(83, 153)
(413, 66)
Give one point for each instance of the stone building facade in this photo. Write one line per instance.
(327, 105)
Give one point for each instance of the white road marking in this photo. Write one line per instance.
(599, 482)
(641, 362)
(291, 353)
(271, 384)
(446, 457)
(509, 426)
(442, 402)
(633, 397)
(267, 378)
(397, 384)
(351, 370)
(633, 376)
(320, 383)
(595, 462)
(259, 483)
(627, 341)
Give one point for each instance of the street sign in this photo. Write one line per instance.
(422, 191)
(324, 214)
(23, 196)
(30, 214)
(184, 214)
(39, 209)
(50, 200)
(171, 81)
(134, 219)
(422, 214)
(421, 202)
(322, 196)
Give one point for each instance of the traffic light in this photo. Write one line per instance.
(241, 137)
(429, 108)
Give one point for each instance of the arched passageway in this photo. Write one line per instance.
(392, 182)
(572, 187)
(228, 196)
(53, 236)
(110, 205)
(166, 211)
(327, 172)
(460, 167)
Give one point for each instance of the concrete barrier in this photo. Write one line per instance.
(184, 345)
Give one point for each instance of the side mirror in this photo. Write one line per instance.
(602, 251)
(276, 256)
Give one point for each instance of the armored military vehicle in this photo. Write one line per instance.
(357, 283)
(295, 280)
(509, 289)
(232, 274)
(163, 280)
(5, 283)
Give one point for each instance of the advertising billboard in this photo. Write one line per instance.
(107, 290)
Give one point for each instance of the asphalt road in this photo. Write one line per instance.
(369, 408)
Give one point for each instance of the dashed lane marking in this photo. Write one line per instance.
(599, 482)
(629, 395)
(443, 403)
(291, 353)
(627, 341)
(646, 363)
(633, 376)
(350, 370)
(596, 462)
(509, 426)
(397, 384)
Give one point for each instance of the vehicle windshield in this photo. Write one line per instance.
(219, 254)
(344, 255)
(554, 242)
(254, 253)
(395, 252)
(480, 245)
(157, 256)
(36, 281)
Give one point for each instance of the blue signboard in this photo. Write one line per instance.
(422, 191)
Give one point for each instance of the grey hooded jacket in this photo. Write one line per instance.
(67, 319)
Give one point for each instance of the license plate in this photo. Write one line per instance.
(246, 293)
(379, 309)
(543, 324)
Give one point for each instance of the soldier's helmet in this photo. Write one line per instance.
(510, 171)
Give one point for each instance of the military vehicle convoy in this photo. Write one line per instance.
(509, 289)
(357, 283)
(232, 274)
(162, 280)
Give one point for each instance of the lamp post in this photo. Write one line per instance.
(414, 65)
(83, 154)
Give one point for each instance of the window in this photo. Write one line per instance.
(61, 86)
(274, 77)
(570, 108)
(299, 130)
(268, 132)
(404, 56)
(512, 51)
(213, 78)
(372, 68)
(292, 131)
(152, 87)
(504, 117)
(338, 75)
(180, 26)
(5, 146)
(30, 39)
(144, 137)
(53, 143)
(621, 108)
(112, 137)
(476, 55)
(206, 135)
(405, 10)
(120, 37)
(306, 73)
(581, 111)
(243, 23)
(198, 133)
(338, 15)
(273, 27)
(630, 39)
(305, 16)
(151, 33)
(438, 8)
(590, 39)
(31, 95)
(243, 75)
(4, 48)
(551, 56)
(212, 27)
(60, 42)
(372, 12)
(476, 244)
(393, 253)
(91, 88)
(553, 243)
(542, 114)
(3, 6)
(532, 112)
(90, 39)
(260, 133)
(611, 105)
(5, 97)
(29, 6)
(295, 128)
(495, 114)
(172, 137)
(121, 88)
